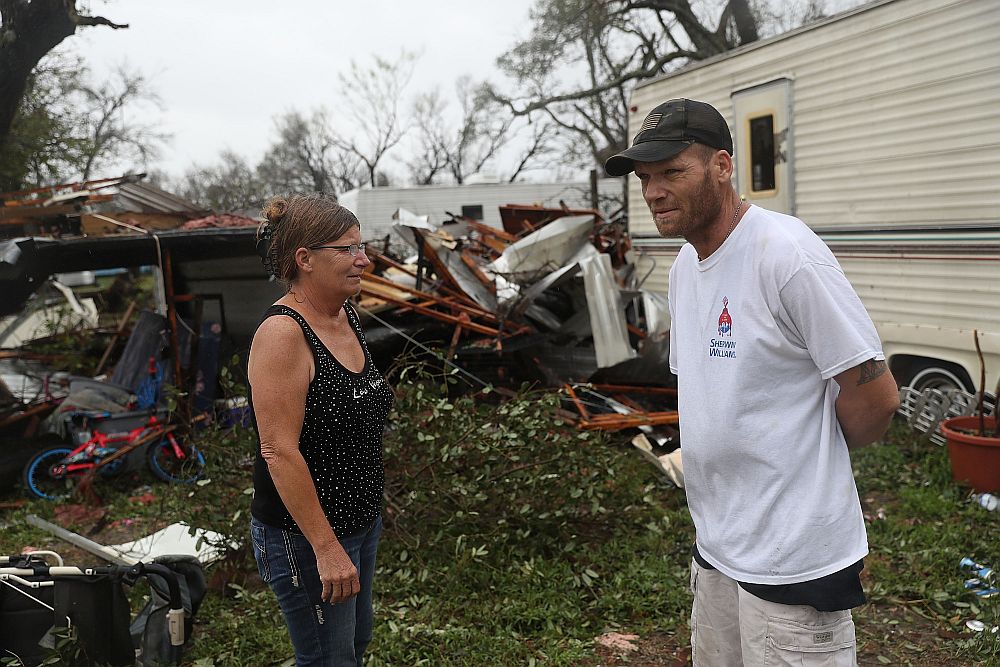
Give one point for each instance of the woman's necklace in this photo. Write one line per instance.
(732, 226)
(308, 302)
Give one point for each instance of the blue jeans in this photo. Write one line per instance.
(331, 635)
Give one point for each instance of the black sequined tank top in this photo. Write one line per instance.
(341, 439)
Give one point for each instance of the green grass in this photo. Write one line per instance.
(513, 540)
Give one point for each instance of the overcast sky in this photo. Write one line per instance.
(225, 68)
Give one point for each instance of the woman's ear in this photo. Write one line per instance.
(303, 260)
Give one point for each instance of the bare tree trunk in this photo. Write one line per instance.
(746, 24)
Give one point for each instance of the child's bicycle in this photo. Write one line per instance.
(55, 472)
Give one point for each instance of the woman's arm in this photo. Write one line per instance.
(280, 370)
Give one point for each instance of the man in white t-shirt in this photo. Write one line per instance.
(779, 372)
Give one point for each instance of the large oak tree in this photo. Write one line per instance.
(29, 29)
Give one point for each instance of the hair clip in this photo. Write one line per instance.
(266, 249)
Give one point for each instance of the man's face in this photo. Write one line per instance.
(681, 193)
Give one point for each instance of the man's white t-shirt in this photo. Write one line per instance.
(758, 331)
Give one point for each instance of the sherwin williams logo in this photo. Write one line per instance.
(723, 348)
(725, 321)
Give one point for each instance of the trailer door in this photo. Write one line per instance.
(763, 145)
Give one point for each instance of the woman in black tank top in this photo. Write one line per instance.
(319, 406)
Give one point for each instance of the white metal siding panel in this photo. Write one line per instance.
(948, 292)
(942, 291)
(655, 265)
(894, 124)
(930, 307)
(921, 304)
(912, 135)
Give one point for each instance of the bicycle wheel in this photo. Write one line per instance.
(43, 479)
(169, 467)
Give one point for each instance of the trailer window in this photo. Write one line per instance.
(762, 153)
(475, 212)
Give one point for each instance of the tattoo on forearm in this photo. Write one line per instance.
(870, 370)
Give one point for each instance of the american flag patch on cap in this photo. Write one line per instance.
(652, 120)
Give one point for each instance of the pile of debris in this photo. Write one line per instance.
(551, 298)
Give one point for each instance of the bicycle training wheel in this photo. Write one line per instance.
(45, 477)
(167, 465)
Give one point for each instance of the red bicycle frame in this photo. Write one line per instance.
(102, 448)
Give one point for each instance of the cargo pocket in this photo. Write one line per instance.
(260, 551)
(790, 643)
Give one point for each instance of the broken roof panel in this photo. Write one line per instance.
(545, 250)
(607, 313)
(129, 194)
(146, 198)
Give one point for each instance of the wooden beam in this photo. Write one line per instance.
(444, 317)
(116, 336)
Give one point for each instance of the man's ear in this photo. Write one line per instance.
(724, 163)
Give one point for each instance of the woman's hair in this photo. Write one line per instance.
(299, 221)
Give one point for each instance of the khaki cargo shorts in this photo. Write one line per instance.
(730, 627)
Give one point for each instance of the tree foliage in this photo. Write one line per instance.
(42, 131)
(433, 137)
(303, 157)
(583, 56)
(457, 149)
(372, 98)
(446, 149)
(112, 133)
(69, 128)
(306, 157)
(231, 184)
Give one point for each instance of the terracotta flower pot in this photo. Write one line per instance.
(975, 460)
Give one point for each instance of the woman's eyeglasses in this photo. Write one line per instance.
(354, 248)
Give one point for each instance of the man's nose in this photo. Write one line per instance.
(654, 189)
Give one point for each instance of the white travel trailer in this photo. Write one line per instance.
(481, 201)
(880, 128)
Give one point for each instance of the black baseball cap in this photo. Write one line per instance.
(670, 128)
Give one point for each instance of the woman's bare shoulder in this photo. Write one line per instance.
(278, 333)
